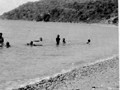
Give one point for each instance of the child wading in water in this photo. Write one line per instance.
(7, 45)
(64, 42)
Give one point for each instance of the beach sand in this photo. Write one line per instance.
(102, 75)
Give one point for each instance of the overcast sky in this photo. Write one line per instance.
(6, 5)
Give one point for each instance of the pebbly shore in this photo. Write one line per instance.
(102, 75)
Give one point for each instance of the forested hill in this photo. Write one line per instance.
(66, 11)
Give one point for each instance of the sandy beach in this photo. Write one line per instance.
(101, 75)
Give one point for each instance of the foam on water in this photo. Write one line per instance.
(36, 80)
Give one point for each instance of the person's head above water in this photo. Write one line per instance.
(41, 39)
(63, 39)
(1, 34)
(7, 44)
(89, 40)
(31, 43)
(58, 35)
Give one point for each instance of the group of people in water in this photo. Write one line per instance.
(2, 42)
(35, 42)
(64, 41)
(38, 42)
(58, 40)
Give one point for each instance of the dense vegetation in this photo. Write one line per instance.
(66, 11)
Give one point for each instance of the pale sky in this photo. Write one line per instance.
(7, 5)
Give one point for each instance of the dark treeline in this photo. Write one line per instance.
(66, 11)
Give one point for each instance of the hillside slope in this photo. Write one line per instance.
(66, 11)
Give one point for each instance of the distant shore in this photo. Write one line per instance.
(89, 11)
(103, 74)
(99, 23)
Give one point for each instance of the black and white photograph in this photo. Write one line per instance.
(59, 45)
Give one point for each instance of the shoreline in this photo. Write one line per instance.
(90, 23)
(64, 75)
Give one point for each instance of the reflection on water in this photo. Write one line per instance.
(22, 62)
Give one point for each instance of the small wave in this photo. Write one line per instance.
(19, 84)
(102, 60)
(63, 71)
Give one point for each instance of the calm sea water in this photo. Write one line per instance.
(21, 63)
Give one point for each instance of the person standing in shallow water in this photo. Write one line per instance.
(1, 40)
(58, 40)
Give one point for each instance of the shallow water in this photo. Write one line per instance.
(21, 62)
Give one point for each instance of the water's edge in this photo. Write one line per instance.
(37, 80)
